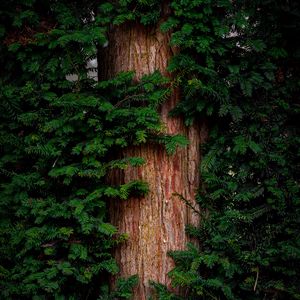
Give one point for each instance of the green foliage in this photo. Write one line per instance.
(59, 129)
(123, 289)
(239, 70)
(172, 142)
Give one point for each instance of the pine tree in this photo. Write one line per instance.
(98, 175)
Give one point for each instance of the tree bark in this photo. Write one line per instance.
(156, 223)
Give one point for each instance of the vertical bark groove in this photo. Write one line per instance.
(156, 223)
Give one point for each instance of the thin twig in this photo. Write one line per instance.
(187, 202)
(256, 280)
(127, 98)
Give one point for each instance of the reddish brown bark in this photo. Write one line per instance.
(156, 223)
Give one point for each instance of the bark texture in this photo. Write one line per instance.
(156, 223)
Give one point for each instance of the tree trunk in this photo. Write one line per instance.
(156, 223)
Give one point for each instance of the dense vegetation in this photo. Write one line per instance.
(57, 137)
(241, 64)
(238, 68)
